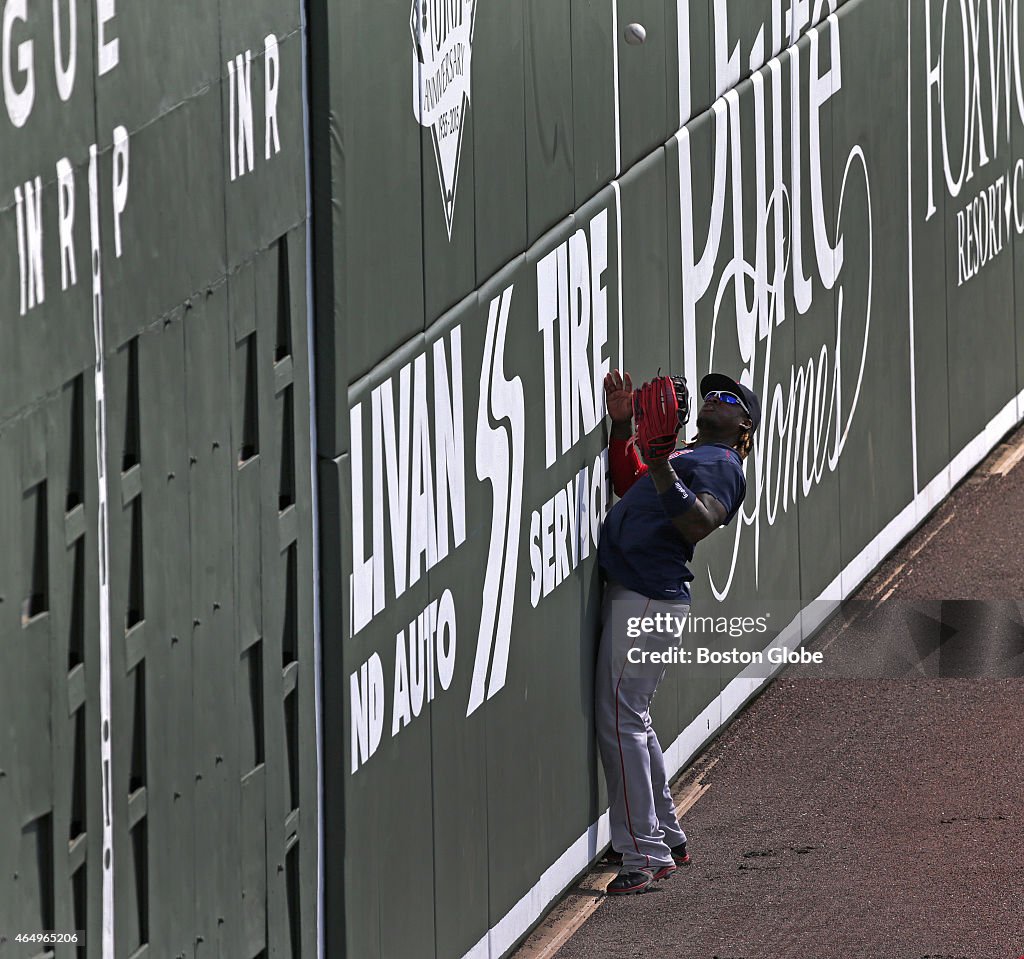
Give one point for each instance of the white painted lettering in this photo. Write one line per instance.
(65, 72)
(66, 222)
(120, 186)
(271, 82)
(18, 101)
(366, 695)
(108, 53)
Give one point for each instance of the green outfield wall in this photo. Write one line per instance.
(303, 454)
(158, 789)
(820, 197)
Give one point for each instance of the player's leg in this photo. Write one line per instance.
(663, 804)
(604, 716)
(619, 606)
(622, 696)
(645, 846)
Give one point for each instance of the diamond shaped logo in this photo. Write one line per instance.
(442, 40)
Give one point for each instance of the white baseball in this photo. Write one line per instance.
(635, 34)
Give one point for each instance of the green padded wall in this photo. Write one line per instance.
(507, 200)
(748, 191)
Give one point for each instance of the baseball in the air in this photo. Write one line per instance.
(635, 34)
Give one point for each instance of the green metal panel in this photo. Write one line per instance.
(149, 565)
(593, 97)
(691, 159)
(812, 13)
(287, 651)
(242, 306)
(389, 911)
(253, 885)
(139, 161)
(215, 694)
(499, 137)
(165, 55)
(449, 256)
(768, 527)
(643, 84)
(979, 270)
(550, 157)
(246, 25)
(744, 36)
(161, 266)
(33, 367)
(10, 623)
(458, 745)
(267, 195)
(820, 547)
(646, 322)
(378, 243)
(11, 387)
(74, 688)
(876, 475)
(566, 282)
(515, 849)
(32, 649)
(250, 657)
(567, 619)
(449, 271)
(690, 61)
(48, 126)
(927, 282)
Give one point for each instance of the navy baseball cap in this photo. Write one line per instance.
(719, 381)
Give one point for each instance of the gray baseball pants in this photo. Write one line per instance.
(642, 814)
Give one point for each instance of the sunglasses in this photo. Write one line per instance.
(731, 398)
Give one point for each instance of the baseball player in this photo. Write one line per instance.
(671, 499)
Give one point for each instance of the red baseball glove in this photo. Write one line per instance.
(660, 410)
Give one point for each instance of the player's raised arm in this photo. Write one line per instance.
(618, 391)
(623, 461)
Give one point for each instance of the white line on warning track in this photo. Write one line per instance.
(1008, 460)
(917, 549)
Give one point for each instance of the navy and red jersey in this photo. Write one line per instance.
(640, 547)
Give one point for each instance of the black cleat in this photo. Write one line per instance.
(680, 856)
(627, 883)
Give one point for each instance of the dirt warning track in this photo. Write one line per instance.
(875, 817)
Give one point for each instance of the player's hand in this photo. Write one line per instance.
(618, 392)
